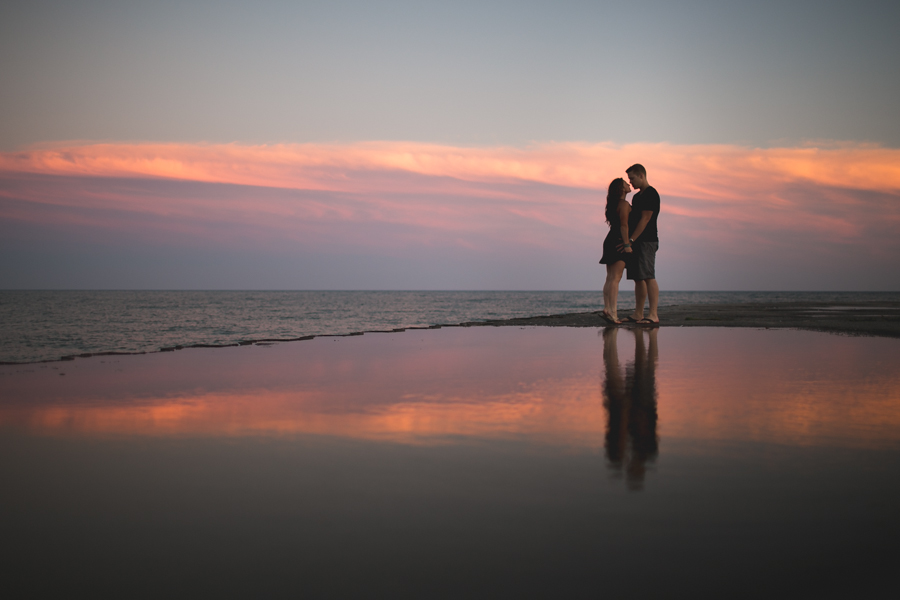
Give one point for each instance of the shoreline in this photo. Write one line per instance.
(872, 318)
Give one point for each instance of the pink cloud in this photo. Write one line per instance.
(400, 196)
(701, 171)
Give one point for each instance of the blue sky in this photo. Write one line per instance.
(484, 73)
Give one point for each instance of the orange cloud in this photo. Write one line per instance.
(696, 171)
(403, 195)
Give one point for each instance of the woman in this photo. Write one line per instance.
(617, 211)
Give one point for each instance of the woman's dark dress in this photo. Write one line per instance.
(613, 239)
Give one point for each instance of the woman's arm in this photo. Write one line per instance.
(624, 210)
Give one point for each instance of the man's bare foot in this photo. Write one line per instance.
(648, 321)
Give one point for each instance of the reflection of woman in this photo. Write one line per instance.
(630, 402)
(617, 211)
(615, 399)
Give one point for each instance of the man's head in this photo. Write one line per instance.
(637, 175)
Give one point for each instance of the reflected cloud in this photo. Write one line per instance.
(538, 385)
(550, 411)
(380, 387)
(784, 387)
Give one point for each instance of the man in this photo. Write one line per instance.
(645, 242)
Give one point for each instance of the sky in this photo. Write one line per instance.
(435, 145)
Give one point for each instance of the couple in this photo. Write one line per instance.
(631, 245)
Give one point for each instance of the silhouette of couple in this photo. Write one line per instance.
(629, 397)
(631, 246)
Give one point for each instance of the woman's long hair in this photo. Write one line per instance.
(613, 195)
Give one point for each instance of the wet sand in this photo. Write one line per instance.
(881, 319)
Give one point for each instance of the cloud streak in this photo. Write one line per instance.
(689, 170)
(397, 197)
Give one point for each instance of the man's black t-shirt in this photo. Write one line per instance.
(648, 199)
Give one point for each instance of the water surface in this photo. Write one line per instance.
(529, 462)
(38, 325)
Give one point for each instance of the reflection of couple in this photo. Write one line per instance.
(630, 401)
(631, 245)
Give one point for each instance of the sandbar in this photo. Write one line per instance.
(877, 318)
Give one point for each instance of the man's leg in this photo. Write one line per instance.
(640, 296)
(653, 293)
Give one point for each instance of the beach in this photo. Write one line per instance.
(497, 459)
(313, 300)
(877, 318)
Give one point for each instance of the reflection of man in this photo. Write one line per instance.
(630, 401)
(645, 241)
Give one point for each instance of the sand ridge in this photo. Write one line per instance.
(877, 318)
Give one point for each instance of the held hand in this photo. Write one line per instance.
(627, 250)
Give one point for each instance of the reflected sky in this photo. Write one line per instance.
(477, 463)
(618, 389)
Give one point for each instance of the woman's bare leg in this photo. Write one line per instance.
(611, 288)
(606, 286)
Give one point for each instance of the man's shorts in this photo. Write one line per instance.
(643, 264)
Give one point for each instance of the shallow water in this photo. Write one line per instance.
(529, 462)
(38, 325)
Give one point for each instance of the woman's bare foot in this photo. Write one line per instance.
(611, 319)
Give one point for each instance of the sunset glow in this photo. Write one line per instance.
(377, 147)
(706, 172)
(392, 197)
(320, 299)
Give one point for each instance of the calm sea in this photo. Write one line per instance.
(47, 325)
